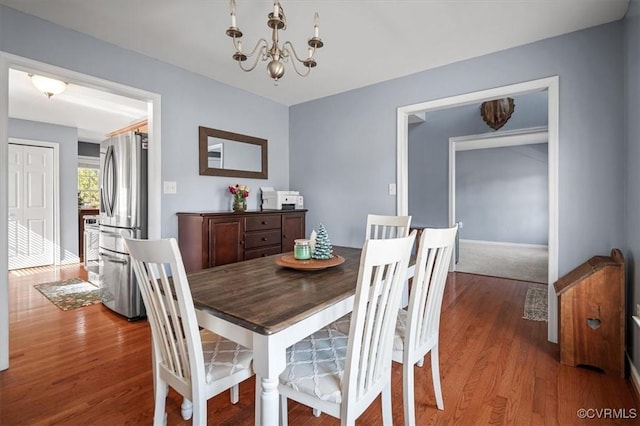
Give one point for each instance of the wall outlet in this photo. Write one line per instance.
(392, 189)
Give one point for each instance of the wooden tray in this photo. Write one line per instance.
(288, 261)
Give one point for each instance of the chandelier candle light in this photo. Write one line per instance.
(277, 55)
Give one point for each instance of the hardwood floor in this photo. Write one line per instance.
(91, 366)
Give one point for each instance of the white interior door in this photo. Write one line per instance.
(31, 206)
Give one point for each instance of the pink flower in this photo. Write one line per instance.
(239, 191)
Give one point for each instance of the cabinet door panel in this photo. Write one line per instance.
(225, 241)
(293, 227)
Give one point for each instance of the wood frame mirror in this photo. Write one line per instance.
(230, 154)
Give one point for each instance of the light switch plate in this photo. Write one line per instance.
(170, 187)
(392, 189)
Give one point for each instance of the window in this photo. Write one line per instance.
(88, 189)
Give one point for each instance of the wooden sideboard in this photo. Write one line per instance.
(209, 239)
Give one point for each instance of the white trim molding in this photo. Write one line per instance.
(551, 85)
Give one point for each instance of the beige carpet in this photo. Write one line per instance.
(518, 262)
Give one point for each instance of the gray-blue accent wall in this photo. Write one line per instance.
(632, 128)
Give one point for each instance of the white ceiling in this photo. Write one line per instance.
(366, 41)
(94, 113)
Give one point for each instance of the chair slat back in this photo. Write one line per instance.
(435, 250)
(381, 227)
(383, 270)
(160, 273)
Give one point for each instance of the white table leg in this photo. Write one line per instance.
(258, 398)
(269, 401)
(269, 360)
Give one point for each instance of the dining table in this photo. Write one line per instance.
(268, 307)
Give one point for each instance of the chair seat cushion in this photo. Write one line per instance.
(401, 329)
(222, 357)
(342, 324)
(315, 365)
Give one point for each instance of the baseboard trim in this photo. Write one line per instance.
(635, 378)
(504, 244)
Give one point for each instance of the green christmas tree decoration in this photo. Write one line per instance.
(323, 247)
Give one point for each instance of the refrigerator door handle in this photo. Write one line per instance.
(110, 180)
(113, 259)
(135, 163)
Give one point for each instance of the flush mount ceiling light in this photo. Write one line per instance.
(277, 55)
(48, 86)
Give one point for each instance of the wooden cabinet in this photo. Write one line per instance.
(139, 126)
(208, 239)
(81, 215)
(592, 314)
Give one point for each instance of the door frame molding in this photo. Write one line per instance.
(551, 85)
(9, 60)
(56, 190)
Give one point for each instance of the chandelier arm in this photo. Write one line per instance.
(255, 62)
(295, 55)
(255, 48)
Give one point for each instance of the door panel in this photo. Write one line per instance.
(30, 206)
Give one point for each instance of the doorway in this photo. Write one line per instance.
(551, 86)
(501, 207)
(10, 61)
(33, 201)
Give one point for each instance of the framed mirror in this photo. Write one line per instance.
(232, 154)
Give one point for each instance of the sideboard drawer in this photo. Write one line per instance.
(261, 252)
(258, 223)
(262, 239)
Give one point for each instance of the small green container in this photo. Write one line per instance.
(301, 249)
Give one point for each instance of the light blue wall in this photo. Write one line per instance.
(429, 172)
(188, 100)
(343, 147)
(502, 194)
(67, 140)
(632, 116)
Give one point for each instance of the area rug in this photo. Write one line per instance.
(70, 294)
(535, 304)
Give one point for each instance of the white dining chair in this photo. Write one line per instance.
(197, 364)
(418, 327)
(342, 375)
(383, 227)
(380, 227)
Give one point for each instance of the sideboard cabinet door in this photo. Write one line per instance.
(293, 227)
(225, 241)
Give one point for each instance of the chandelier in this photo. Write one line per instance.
(276, 55)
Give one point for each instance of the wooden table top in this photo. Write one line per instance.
(265, 298)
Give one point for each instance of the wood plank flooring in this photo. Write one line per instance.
(90, 366)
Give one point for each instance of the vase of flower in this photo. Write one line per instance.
(239, 194)
(239, 205)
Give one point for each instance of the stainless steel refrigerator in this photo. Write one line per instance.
(123, 212)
